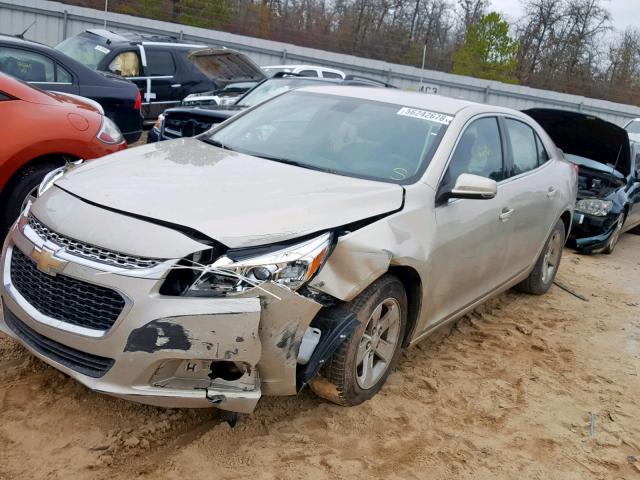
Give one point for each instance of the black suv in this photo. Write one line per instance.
(198, 113)
(49, 69)
(165, 69)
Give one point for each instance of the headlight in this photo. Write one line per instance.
(593, 206)
(51, 177)
(291, 267)
(109, 132)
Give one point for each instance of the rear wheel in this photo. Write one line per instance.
(21, 189)
(615, 236)
(543, 274)
(359, 368)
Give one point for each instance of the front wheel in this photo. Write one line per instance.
(615, 236)
(544, 272)
(359, 368)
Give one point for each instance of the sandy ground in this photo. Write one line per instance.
(508, 392)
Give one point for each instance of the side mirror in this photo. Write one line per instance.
(472, 187)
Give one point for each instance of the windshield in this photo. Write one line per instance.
(83, 50)
(633, 127)
(271, 88)
(343, 135)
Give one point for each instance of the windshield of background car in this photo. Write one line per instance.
(633, 127)
(83, 50)
(271, 88)
(343, 135)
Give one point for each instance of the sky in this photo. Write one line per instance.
(623, 12)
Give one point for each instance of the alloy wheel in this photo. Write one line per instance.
(378, 343)
(552, 257)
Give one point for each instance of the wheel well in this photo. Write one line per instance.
(54, 158)
(413, 287)
(566, 219)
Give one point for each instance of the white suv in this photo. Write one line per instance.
(305, 71)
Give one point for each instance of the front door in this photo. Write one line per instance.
(471, 237)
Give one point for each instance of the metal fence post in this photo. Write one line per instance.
(65, 21)
(487, 93)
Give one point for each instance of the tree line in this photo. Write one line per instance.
(563, 45)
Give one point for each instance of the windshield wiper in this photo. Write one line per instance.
(295, 163)
(216, 143)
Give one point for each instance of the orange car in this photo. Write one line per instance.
(40, 132)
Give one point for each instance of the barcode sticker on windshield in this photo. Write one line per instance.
(426, 115)
(101, 49)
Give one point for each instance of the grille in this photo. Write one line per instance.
(91, 252)
(65, 298)
(178, 125)
(81, 362)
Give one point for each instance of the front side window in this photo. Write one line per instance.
(479, 152)
(524, 150)
(126, 64)
(160, 63)
(308, 73)
(27, 66)
(347, 136)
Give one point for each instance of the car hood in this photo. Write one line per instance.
(586, 136)
(236, 199)
(225, 66)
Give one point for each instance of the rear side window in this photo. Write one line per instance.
(524, 150)
(331, 75)
(308, 73)
(27, 66)
(160, 63)
(478, 152)
(543, 156)
(126, 64)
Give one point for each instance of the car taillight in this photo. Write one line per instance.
(138, 104)
(109, 132)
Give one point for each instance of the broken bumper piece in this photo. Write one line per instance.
(590, 233)
(176, 352)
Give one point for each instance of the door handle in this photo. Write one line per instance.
(551, 192)
(176, 85)
(506, 214)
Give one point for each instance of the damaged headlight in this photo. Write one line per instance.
(594, 206)
(292, 267)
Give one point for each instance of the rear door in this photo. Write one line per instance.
(533, 189)
(37, 69)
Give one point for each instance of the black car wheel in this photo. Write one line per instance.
(615, 236)
(19, 190)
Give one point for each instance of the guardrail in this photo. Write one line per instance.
(57, 21)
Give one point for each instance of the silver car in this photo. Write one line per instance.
(305, 241)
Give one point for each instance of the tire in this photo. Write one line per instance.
(343, 379)
(615, 236)
(544, 272)
(18, 189)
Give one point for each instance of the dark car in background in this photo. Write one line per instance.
(50, 69)
(198, 114)
(165, 69)
(608, 176)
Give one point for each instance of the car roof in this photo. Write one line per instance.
(20, 41)
(300, 66)
(425, 101)
(141, 38)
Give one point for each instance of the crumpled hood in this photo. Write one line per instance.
(586, 136)
(233, 198)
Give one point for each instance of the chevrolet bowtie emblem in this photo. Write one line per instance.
(46, 263)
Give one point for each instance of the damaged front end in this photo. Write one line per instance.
(221, 327)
